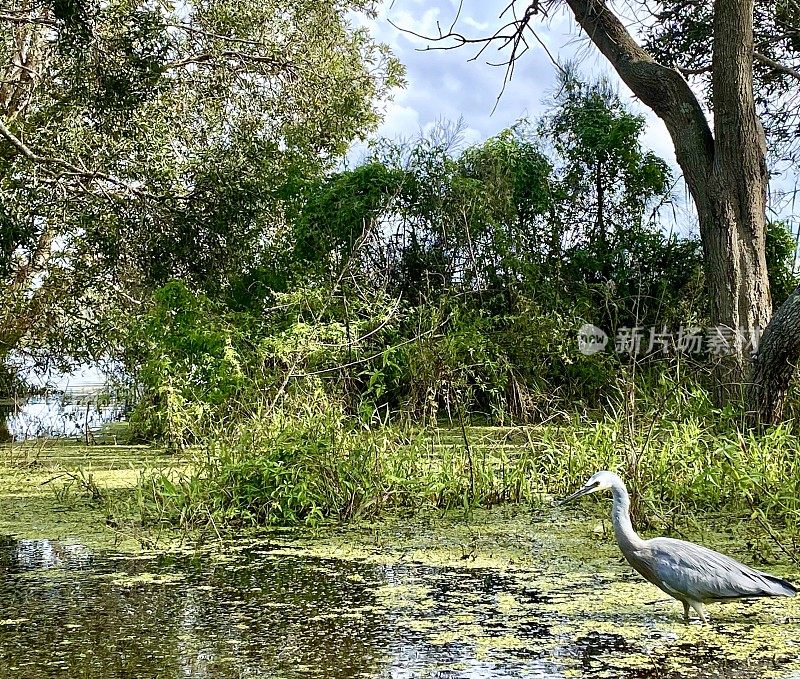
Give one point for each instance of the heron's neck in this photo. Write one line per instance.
(621, 518)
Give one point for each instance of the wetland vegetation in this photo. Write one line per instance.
(523, 590)
(355, 389)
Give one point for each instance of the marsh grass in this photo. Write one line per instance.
(306, 462)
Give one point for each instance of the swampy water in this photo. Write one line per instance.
(278, 609)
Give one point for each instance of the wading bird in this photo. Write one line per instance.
(692, 574)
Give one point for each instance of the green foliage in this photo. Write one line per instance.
(411, 283)
(180, 139)
(459, 368)
(188, 366)
(604, 166)
(343, 210)
(781, 251)
(606, 182)
(307, 462)
(518, 172)
(11, 383)
(430, 286)
(681, 466)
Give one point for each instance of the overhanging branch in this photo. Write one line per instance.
(511, 35)
(71, 170)
(776, 66)
(757, 56)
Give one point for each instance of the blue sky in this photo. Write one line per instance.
(446, 85)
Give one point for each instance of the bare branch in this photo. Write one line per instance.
(509, 35)
(757, 56)
(216, 36)
(787, 70)
(71, 170)
(695, 71)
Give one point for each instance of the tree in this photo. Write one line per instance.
(562, 209)
(775, 363)
(429, 218)
(140, 143)
(682, 37)
(607, 178)
(723, 165)
(486, 255)
(610, 192)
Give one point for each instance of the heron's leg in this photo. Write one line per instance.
(698, 607)
(685, 611)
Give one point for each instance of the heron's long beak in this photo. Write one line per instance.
(580, 493)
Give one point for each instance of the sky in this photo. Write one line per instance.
(446, 85)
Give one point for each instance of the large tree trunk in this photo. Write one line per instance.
(725, 169)
(775, 363)
(739, 183)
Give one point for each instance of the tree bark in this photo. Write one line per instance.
(740, 178)
(20, 73)
(725, 170)
(775, 363)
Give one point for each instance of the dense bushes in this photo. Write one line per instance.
(428, 287)
(187, 362)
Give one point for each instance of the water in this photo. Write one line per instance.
(63, 415)
(264, 611)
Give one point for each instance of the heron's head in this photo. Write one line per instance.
(600, 481)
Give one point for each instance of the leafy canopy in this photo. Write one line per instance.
(144, 142)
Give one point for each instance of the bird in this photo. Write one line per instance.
(690, 573)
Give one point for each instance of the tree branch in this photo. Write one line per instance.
(757, 56)
(695, 71)
(661, 88)
(216, 36)
(13, 19)
(207, 58)
(515, 38)
(72, 170)
(776, 66)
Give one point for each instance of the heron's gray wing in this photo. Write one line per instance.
(701, 574)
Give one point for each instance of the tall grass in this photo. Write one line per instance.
(308, 462)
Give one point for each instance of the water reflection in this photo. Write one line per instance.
(263, 613)
(217, 620)
(72, 414)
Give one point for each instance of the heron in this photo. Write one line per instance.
(692, 574)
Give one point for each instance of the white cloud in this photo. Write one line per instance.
(477, 25)
(447, 85)
(399, 121)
